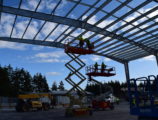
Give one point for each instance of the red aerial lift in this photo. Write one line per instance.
(100, 102)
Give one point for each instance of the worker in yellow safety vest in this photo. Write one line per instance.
(88, 43)
(81, 41)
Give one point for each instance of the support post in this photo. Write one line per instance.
(127, 71)
(156, 56)
(128, 81)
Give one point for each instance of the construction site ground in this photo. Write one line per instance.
(121, 112)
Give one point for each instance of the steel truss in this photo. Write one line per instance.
(119, 44)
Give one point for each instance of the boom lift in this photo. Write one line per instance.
(99, 102)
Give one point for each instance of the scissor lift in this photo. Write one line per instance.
(74, 71)
(144, 97)
(106, 72)
(74, 52)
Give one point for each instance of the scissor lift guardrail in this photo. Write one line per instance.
(74, 71)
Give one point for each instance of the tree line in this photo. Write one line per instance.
(115, 86)
(19, 81)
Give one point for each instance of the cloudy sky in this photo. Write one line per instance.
(51, 61)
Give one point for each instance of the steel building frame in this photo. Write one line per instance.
(131, 40)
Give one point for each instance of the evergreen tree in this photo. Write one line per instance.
(61, 86)
(27, 86)
(21, 81)
(54, 86)
(16, 82)
(40, 83)
(4, 83)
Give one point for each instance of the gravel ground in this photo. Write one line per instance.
(121, 112)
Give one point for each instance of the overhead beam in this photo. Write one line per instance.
(127, 47)
(50, 44)
(138, 57)
(74, 23)
(33, 42)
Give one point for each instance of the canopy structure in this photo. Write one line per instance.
(122, 30)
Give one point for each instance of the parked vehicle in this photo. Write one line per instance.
(34, 101)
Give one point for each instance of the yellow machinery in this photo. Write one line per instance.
(77, 108)
(34, 101)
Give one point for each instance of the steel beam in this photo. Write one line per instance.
(30, 20)
(125, 51)
(86, 19)
(111, 57)
(74, 23)
(137, 32)
(105, 17)
(143, 41)
(138, 57)
(112, 48)
(132, 22)
(50, 44)
(33, 42)
(131, 54)
(64, 16)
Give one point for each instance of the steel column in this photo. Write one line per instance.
(156, 56)
(127, 71)
(128, 80)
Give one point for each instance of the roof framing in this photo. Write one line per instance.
(125, 42)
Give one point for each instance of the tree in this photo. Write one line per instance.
(54, 86)
(27, 86)
(19, 81)
(4, 83)
(40, 83)
(61, 86)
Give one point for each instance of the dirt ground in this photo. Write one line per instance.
(121, 112)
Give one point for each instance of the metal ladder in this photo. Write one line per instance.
(75, 58)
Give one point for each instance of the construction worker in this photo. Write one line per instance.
(103, 67)
(81, 41)
(96, 67)
(88, 43)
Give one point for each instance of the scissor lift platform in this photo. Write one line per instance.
(77, 50)
(107, 72)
